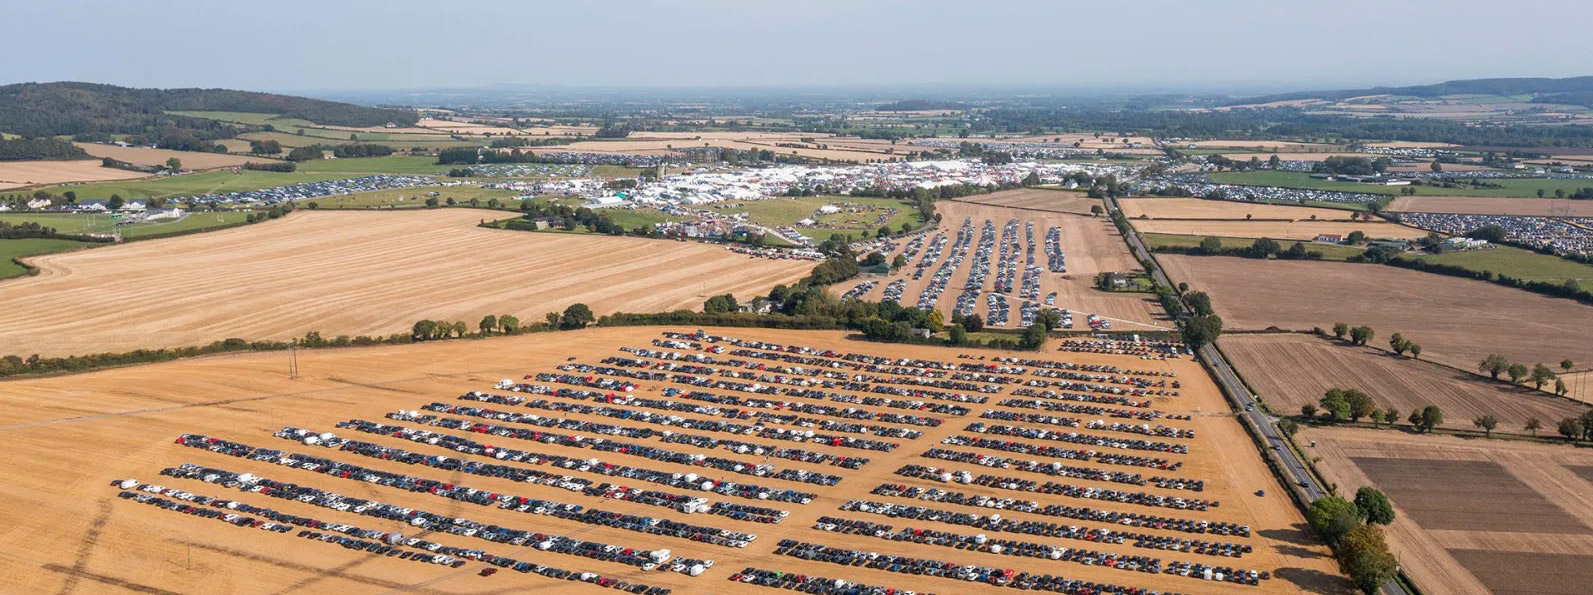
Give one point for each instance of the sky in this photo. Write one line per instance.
(1132, 45)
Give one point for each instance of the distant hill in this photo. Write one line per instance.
(69, 108)
(1574, 90)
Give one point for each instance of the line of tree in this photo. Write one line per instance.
(1354, 530)
(1258, 248)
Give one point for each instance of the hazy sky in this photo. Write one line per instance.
(1137, 44)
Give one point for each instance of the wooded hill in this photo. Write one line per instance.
(70, 108)
(1574, 90)
(19, 149)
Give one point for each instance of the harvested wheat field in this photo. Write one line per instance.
(1457, 321)
(1479, 205)
(70, 438)
(15, 174)
(1290, 370)
(1089, 244)
(1200, 208)
(158, 157)
(1279, 145)
(353, 273)
(1473, 516)
(1281, 230)
(1060, 201)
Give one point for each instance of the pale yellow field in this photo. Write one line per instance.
(69, 437)
(353, 273)
(1281, 230)
(15, 174)
(158, 157)
(1197, 208)
(1292, 147)
(1293, 156)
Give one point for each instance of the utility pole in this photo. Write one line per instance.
(293, 360)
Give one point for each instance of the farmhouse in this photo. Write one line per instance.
(1330, 238)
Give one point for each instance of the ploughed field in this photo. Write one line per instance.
(1291, 370)
(1087, 245)
(348, 273)
(1221, 218)
(1060, 201)
(606, 447)
(1473, 517)
(1457, 321)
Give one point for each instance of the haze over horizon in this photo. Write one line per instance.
(1238, 46)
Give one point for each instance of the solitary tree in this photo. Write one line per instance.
(1566, 365)
(1516, 372)
(1493, 365)
(423, 330)
(1427, 418)
(1571, 428)
(1559, 387)
(1533, 425)
(1541, 375)
(1390, 416)
(509, 324)
(1398, 343)
(576, 316)
(1374, 506)
(1210, 245)
(1363, 555)
(1415, 351)
(1487, 423)
(1361, 335)
(1340, 329)
(1332, 517)
(174, 164)
(489, 323)
(1335, 406)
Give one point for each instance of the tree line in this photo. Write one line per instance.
(31, 149)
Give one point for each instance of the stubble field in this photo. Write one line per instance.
(1457, 321)
(158, 157)
(353, 273)
(1290, 370)
(16, 174)
(70, 437)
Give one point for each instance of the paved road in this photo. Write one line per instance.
(1231, 384)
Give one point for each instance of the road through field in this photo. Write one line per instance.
(353, 273)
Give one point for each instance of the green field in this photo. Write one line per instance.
(210, 182)
(361, 166)
(1516, 262)
(86, 223)
(1517, 188)
(10, 249)
(1329, 251)
(779, 212)
(413, 197)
